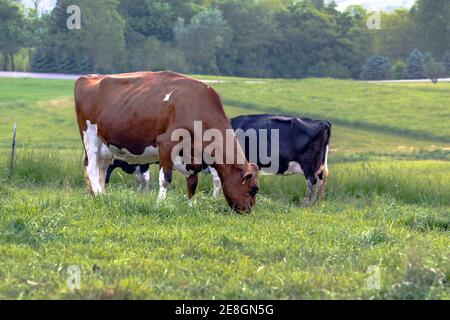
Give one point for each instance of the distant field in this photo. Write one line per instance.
(388, 204)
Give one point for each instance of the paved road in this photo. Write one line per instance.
(74, 77)
(58, 76)
(38, 75)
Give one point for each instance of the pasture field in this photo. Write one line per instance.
(388, 205)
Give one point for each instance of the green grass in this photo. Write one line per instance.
(388, 205)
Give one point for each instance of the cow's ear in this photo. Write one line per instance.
(252, 171)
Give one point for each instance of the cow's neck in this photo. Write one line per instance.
(230, 162)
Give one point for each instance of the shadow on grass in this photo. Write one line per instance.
(373, 127)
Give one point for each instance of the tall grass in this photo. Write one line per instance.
(415, 182)
(45, 167)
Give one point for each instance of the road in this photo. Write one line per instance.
(57, 76)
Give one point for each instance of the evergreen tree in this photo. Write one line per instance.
(414, 66)
(66, 63)
(377, 68)
(85, 64)
(42, 62)
(38, 61)
(62, 61)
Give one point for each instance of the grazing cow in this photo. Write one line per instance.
(132, 117)
(303, 149)
(142, 173)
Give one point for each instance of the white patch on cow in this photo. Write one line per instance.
(150, 155)
(294, 168)
(324, 166)
(163, 185)
(97, 162)
(326, 159)
(167, 98)
(180, 166)
(216, 182)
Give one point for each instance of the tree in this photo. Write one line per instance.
(85, 64)
(202, 39)
(308, 41)
(376, 68)
(398, 70)
(145, 19)
(434, 70)
(414, 66)
(12, 31)
(66, 63)
(397, 37)
(353, 26)
(40, 61)
(249, 51)
(432, 21)
(446, 62)
(155, 55)
(101, 36)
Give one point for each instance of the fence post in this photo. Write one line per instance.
(13, 150)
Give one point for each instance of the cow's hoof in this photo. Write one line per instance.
(306, 203)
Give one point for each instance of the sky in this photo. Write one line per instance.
(387, 5)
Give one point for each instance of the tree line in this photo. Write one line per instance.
(253, 38)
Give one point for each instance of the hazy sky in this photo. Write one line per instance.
(370, 4)
(377, 4)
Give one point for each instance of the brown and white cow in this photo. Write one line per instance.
(131, 117)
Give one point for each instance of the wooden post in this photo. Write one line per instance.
(13, 150)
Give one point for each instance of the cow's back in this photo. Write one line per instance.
(132, 110)
(300, 139)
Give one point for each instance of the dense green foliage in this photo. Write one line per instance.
(267, 38)
(446, 62)
(388, 205)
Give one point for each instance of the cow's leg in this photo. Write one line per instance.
(143, 178)
(323, 178)
(109, 172)
(311, 191)
(216, 182)
(95, 175)
(322, 185)
(96, 163)
(165, 164)
(165, 179)
(85, 174)
(192, 183)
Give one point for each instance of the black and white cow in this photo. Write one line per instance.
(303, 148)
(142, 173)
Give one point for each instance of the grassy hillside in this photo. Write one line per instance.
(388, 205)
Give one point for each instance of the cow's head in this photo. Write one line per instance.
(240, 187)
